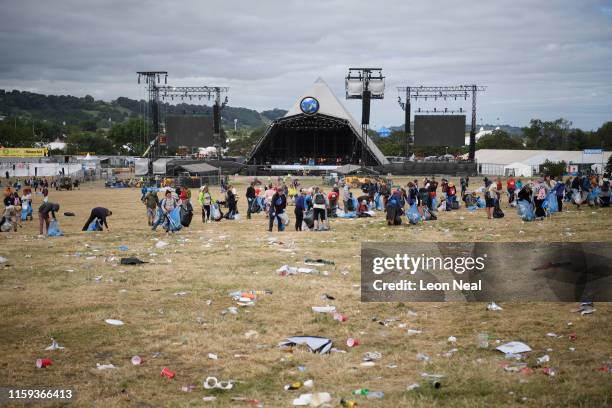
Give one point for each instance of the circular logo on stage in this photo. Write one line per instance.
(309, 105)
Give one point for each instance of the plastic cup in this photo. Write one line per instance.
(351, 342)
(43, 362)
(482, 340)
(340, 317)
(136, 360)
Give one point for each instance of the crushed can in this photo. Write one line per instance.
(166, 372)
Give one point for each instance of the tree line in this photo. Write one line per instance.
(539, 135)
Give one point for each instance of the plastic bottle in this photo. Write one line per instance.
(361, 391)
(482, 340)
(375, 394)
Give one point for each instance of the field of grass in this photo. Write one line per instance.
(66, 287)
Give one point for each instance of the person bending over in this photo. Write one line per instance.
(101, 214)
(44, 211)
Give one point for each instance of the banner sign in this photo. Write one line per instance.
(23, 152)
(592, 151)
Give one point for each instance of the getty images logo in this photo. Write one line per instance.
(412, 264)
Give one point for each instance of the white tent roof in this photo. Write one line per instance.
(331, 106)
(536, 157)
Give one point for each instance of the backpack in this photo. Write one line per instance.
(186, 214)
(497, 211)
(350, 206)
(541, 193)
(319, 199)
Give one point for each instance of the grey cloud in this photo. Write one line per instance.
(539, 59)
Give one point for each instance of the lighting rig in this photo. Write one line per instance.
(365, 84)
(201, 92)
(435, 93)
(151, 79)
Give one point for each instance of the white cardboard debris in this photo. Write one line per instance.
(54, 345)
(324, 309)
(513, 347)
(161, 244)
(313, 400)
(114, 322)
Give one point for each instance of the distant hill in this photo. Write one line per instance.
(273, 114)
(76, 110)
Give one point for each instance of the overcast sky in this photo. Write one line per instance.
(539, 59)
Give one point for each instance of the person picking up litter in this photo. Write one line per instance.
(101, 214)
(43, 214)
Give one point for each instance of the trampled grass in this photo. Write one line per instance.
(50, 289)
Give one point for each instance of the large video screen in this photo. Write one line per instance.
(189, 131)
(439, 130)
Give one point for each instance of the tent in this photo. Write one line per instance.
(518, 169)
(198, 168)
(325, 135)
(141, 167)
(159, 166)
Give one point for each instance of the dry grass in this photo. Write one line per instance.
(40, 298)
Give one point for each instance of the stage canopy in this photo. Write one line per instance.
(317, 130)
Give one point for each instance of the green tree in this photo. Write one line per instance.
(95, 143)
(88, 125)
(392, 145)
(499, 139)
(604, 136)
(243, 142)
(128, 134)
(554, 169)
(548, 135)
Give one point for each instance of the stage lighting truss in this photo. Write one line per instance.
(150, 77)
(440, 111)
(191, 92)
(359, 80)
(435, 93)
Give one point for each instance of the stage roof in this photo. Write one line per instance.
(329, 106)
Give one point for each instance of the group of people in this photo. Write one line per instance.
(548, 192)
(313, 207)
(18, 208)
(34, 183)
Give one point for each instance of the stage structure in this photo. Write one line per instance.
(365, 84)
(151, 114)
(439, 130)
(442, 93)
(316, 132)
(201, 92)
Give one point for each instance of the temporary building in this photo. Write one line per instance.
(518, 170)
